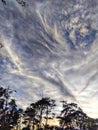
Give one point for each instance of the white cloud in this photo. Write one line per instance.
(42, 59)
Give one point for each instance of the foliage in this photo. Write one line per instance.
(42, 107)
(8, 108)
(72, 115)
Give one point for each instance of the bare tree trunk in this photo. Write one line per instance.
(47, 116)
(40, 118)
(33, 123)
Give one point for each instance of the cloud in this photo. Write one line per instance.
(50, 50)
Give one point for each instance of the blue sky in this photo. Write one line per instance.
(51, 49)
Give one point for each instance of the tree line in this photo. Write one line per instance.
(71, 115)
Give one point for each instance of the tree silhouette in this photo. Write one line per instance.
(44, 106)
(40, 108)
(31, 112)
(8, 108)
(72, 113)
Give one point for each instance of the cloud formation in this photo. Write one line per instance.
(50, 49)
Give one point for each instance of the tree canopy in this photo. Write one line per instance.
(8, 109)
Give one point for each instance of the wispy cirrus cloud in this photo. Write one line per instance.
(50, 49)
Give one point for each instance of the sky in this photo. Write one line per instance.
(51, 49)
